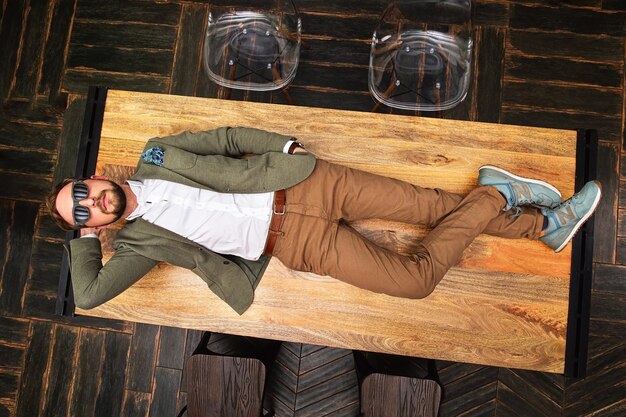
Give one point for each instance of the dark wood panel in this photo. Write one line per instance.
(353, 52)
(13, 330)
(166, 383)
(7, 409)
(566, 45)
(136, 404)
(614, 5)
(11, 356)
(564, 70)
(24, 187)
(567, 19)
(488, 13)
(84, 389)
(608, 306)
(489, 59)
(523, 387)
(470, 403)
(339, 27)
(60, 370)
(76, 81)
(354, 7)
(142, 359)
(123, 35)
(18, 248)
(576, 3)
(609, 128)
(605, 217)
(188, 57)
(561, 97)
(114, 362)
(609, 278)
(329, 395)
(586, 397)
(45, 266)
(9, 382)
(27, 162)
(10, 36)
(328, 369)
(172, 347)
(129, 11)
(33, 44)
(28, 136)
(32, 382)
(56, 45)
(105, 58)
(343, 78)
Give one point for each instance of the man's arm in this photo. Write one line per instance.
(95, 284)
(225, 141)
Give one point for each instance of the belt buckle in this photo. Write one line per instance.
(280, 213)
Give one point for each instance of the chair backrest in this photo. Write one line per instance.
(256, 47)
(219, 386)
(398, 396)
(421, 54)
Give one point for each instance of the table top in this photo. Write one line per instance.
(505, 304)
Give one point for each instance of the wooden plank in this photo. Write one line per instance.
(18, 247)
(604, 246)
(171, 347)
(343, 79)
(608, 306)
(143, 350)
(188, 64)
(339, 26)
(564, 70)
(488, 13)
(164, 400)
(10, 39)
(84, 385)
(33, 380)
(613, 5)
(609, 127)
(123, 35)
(136, 404)
(114, 361)
(29, 136)
(570, 98)
(60, 370)
(24, 187)
(609, 278)
(573, 20)
(525, 397)
(112, 59)
(27, 162)
(489, 58)
(9, 382)
(29, 67)
(430, 152)
(470, 391)
(79, 81)
(13, 330)
(56, 48)
(129, 11)
(45, 266)
(566, 45)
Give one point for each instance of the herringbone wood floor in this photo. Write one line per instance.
(538, 62)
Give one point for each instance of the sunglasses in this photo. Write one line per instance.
(80, 191)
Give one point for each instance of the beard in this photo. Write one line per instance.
(116, 200)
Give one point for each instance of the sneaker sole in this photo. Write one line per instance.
(517, 177)
(583, 220)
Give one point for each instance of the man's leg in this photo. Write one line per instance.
(325, 247)
(349, 194)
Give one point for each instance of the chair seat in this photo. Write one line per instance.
(219, 386)
(385, 395)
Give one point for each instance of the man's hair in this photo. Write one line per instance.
(51, 203)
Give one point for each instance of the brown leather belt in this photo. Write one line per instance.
(278, 214)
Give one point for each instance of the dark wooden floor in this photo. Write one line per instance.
(538, 62)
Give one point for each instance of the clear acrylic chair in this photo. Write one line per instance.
(421, 54)
(253, 48)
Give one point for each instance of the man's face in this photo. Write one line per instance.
(105, 201)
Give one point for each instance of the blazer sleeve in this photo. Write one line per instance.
(226, 141)
(95, 284)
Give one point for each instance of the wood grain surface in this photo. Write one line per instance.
(504, 305)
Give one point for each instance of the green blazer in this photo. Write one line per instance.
(209, 160)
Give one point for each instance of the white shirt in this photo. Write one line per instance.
(230, 224)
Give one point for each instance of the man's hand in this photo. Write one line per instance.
(298, 149)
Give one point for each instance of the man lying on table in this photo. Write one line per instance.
(195, 203)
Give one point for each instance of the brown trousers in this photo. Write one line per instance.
(316, 239)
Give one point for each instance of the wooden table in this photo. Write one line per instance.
(506, 304)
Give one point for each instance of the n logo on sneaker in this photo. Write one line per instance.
(523, 192)
(566, 215)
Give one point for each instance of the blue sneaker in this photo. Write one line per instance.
(519, 191)
(565, 220)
